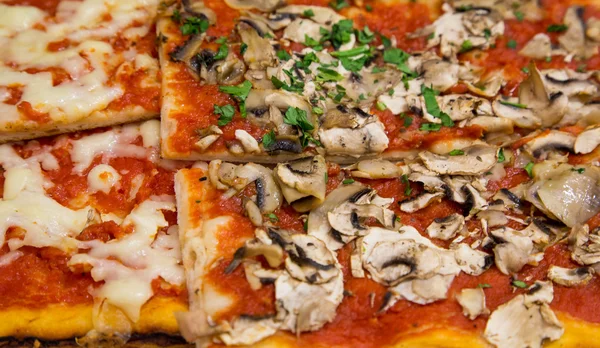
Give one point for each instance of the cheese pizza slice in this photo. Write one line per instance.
(88, 239)
(439, 251)
(71, 65)
(266, 82)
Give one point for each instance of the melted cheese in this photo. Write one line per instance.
(86, 60)
(102, 178)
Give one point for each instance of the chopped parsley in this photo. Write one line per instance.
(339, 4)
(467, 45)
(352, 52)
(529, 169)
(348, 181)
(501, 157)
(578, 170)
(518, 284)
(308, 13)
(430, 127)
(430, 36)
(328, 75)
(225, 113)
(223, 49)
(341, 32)
(365, 36)
(557, 28)
(317, 110)
(268, 139)
(514, 105)
(326, 177)
(456, 152)
(297, 117)
(243, 48)
(407, 120)
(484, 285)
(398, 57)
(273, 217)
(176, 17)
(431, 104)
(283, 55)
(380, 106)
(519, 15)
(377, 69)
(487, 33)
(240, 93)
(369, 8)
(306, 61)
(407, 189)
(387, 43)
(525, 70)
(512, 44)
(310, 42)
(194, 25)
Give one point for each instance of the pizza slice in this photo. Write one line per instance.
(72, 65)
(441, 250)
(88, 241)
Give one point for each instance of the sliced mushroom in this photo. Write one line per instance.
(593, 29)
(533, 93)
(188, 50)
(571, 196)
(249, 144)
(447, 227)
(524, 321)
(569, 82)
(587, 141)
(514, 251)
(574, 39)
(198, 9)
(370, 139)
(440, 74)
(347, 219)
(521, 117)
(261, 5)
(487, 87)
(552, 140)
(302, 182)
(310, 261)
(343, 117)
(273, 253)
(492, 124)
(284, 143)
(389, 263)
(539, 47)
(322, 15)
(318, 223)
(247, 330)
(376, 169)
(509, 199)
(207, 137)
(461, 107)
(253, 212)
(421, 201)
(300, 28)
(476, 160)
(471, 261)
(259, 54)
(472, 302)
(430, 182)
(570, 276)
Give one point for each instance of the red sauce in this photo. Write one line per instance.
(58, 46)
(15, 93)
(41, 277)
(514, 177)
(46, 5)
(31, 114)
(59, 75)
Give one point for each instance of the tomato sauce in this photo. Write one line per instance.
(46, 5)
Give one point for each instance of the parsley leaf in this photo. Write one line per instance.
(283, 55)
(430, 127)
(519, 15)
(380, 106)
(297, 117)
(240, 93)
(194, 25)
(515, 105)
(176, 17)
(519, 284)
(387, 43)
(310, 42)
(578, 170)
(369, 8)
(243, 48)
(339, 4)
(557, 28)
(407, 189)
(501, 157)
(340, 33)
(273, 217)
(484, 285)
(377, 69)
(268, 139)
(487, 33)
(308, 13)
(456, 152)
(433, 108)
(317, 110)
(226, 114)
(365, 36)
(328, 75)
(398, 57)
(529, 169)
(352, 52)
(223, 50)
(467, 45)
(348, 181)
(407, 121)
(512, 44)
(354, 65)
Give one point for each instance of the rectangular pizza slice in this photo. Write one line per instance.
(431, 252)
(71, 65)
(88, 237)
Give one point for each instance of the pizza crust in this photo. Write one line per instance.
(59, 322)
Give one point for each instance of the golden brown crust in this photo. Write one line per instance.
(57, 322)
(25, 131)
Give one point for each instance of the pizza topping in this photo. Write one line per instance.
(421, 201)
(574, 40)
(550, 141)
(587, 141)
(260, 54)
(514, 250)
(472, 302)
(309, 260)
(207, 137)
(302, 182)
(249, 144)
(526, 320)
(247, 330)
(347, 218)
(570, 276)
(446, 228)
(376, 169)
(102, 178)
(261, 5)
(476, 160)
(539, 47)
(369, 139)
(568, 82)
(478, 25)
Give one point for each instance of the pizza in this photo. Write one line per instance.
(367, 173)
(72, 65)
(89, 237)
